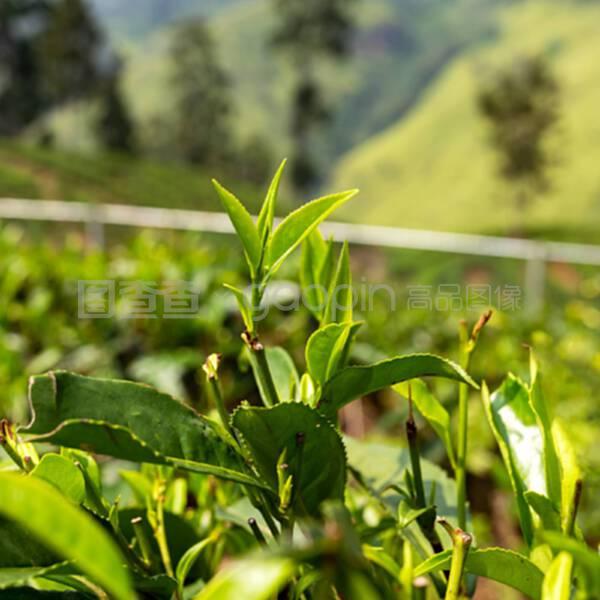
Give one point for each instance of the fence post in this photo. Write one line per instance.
(535, 283)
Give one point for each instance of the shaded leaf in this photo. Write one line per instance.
(353, 382)
(545, 509)
(17, 576)
(66, 530)
(432, 410)
(186, 562)
(505, 566)
(315, 453)
(299, 224)
(244, 306)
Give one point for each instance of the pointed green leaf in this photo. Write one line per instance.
(244, 304)
(299, 224)
(505, 566)
(243, 224)
(250, 579)
(314, 254)
(63, 475)
(571, 476)
(381, 558)
(557, 582)
(11, 577)
(540, 408)
(340, 298)
(267, 212)
(65, 529)
(325, 350)
(432, 410)
(283, 372)
(585, 557)
(353, 382)
(545, 509)
(186, 562)
(315, 454)
(130, 421)
(520, 441)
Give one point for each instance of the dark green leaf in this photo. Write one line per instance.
(353, 382)
(65, 529)
(25, 593)
(315, 453)
(432, 410)
(130, 421)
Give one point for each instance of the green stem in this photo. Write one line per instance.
(462, 543)
(142, 540)
(160, 532)
(574, 507)
(260, 538)
(257, 352)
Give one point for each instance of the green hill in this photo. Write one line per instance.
(434, 169)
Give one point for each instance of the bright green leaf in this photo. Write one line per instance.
(244, 226)
(186, 562)
(283, 373)
(314, 255)
(299, 224)
(63, 475)
(244, 305)
(66, 529)
(545, 509)
(340, 297)
(557, 582)
(267, 212)
(250, 579)
(505, 566)
(353, 382)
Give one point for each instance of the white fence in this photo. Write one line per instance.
(96, 216)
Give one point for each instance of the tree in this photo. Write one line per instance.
(202, 103)
(521, 104)
(69, 52)
(114, 125)
(21, 98)
(309, 31)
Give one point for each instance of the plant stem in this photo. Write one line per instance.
(426, 521)
(159, 527)
(574, 507)
(257, 353)
(143, 541)
(462, 543)
(260, 538)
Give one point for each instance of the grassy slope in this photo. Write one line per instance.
(434, 169)
(31, 172)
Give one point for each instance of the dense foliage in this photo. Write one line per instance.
(272, 498)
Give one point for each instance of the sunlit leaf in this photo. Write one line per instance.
(557, 582)
(65, 529)
(267, 212)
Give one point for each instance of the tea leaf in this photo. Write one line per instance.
(539, 406)
(243, 224)
(353, 382)
(340, 298)
(65, 529)
(505, 566)
(545, 509)
(515, 428)
(314, 255)
(130, 421)
(267, 212)
(244, 306)
(299, 224)
(283, 373)
(571, 477)
(557, 582)
(432, 410)
(250, 579)
(11, 577)
(186, 562)
(63, 475)
(315, 454)
(325, 349)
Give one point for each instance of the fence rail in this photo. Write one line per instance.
(96, 216)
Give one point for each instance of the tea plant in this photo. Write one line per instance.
(274, 500)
